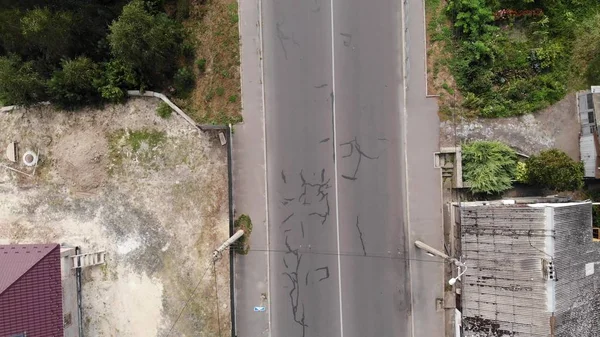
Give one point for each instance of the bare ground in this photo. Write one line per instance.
(151, 192)
(554, 127)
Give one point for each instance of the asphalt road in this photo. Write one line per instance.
(333, 106)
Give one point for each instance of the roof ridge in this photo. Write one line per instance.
(28, 269)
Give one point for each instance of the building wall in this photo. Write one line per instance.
(33, 303)
(577, 295)
(588, 150)
(69, 293)
(504, 292)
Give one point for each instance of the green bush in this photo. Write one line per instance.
(242, 246)
(521, 173)
(233, 98)
(184, 81)
(488, 166)
(188, 50)
(146, 43)
(19, 82)
(164, 110)
(555, 170)
(76, 84)
(220, 91)
(521, 68)
(118, 77)
(201, 64)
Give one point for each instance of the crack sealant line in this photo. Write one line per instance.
(403, 129)
(264, 125)
(335, 160)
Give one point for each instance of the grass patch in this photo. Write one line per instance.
(212, 27)
(440, 80)
(140, 144)
(142, 138)
(164, 110)
(242, 246)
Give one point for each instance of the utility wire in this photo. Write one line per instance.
(217, 299)
(330, 253)
(189, 299)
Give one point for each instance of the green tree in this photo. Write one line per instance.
(118, 77)
(148, 43)
(19, 83)
(47, 33)
(555, 170)
(76, 83)
(472, 18)
(11, 38)
(489, 166)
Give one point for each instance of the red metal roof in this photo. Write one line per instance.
(30, 290)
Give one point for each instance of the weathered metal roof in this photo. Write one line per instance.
(504, 290)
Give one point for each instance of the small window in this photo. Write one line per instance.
(590, 101)
(24, 334)
(591, 117)
(593, 128)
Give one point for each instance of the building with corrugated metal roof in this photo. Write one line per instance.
(531, 270)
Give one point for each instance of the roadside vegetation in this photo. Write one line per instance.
(213, 61)
(491, 167)
(79, 53)
(242, 246)
(499, 58)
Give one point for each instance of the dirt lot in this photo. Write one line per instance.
(556, 126)
(151, 192)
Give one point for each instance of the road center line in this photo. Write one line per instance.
(337, 208)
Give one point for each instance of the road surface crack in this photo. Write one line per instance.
(282, 38)
(360, 236)
(355, 146)
(294, 293)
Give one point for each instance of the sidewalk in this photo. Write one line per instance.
(424, 194)
(249, 184)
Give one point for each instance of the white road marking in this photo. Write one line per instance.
(337, 208)
(403, 128)
(264, 124)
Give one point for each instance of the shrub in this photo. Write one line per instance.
(220, 91)
(76, 83)
(488, 166)
(233, 98)
(201, 64)
(19, 83)
(521, 173)
(188, 50)
(164, 110)
(146, 43)
(118, 77)
(244, 222)
(555, 170)
(184, 81)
